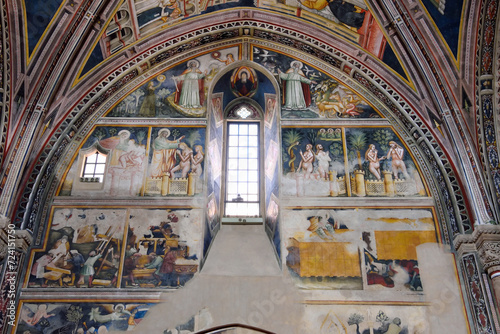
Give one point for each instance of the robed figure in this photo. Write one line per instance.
(163, 153)
(243, 82)
(296, 93)
(189, 87)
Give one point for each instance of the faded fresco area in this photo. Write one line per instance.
(79, 317)
(309, 93)
(179, 92)
(114, 161)
(316, 163)
(163, 251)
(357, 249)
(85, 249)
(368, 319)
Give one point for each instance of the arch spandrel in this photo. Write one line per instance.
(352, 22)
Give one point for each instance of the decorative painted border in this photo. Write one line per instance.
(475, 291)
(36, 108)
(486, 103)
(405, 118)
(4, 80)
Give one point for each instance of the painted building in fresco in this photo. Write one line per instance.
(182, 166)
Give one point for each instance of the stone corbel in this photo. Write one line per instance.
(485, 241)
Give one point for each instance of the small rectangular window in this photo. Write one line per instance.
(94, 166)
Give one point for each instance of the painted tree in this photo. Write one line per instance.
(291, 138)
(99, 133)
(382, 138)
(140, 136)
(336, 150)
(176, 133)
(357, 139)
(311, 136)
(384, 321)
(382, 317)
(355, 319)
(113, 132)
(74, 314)
(128, 101)
(193, 137)
(136, 94)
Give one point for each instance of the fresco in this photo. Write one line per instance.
(85, 249)
(271, 108)
(177, 156)
(162, 251)
(178, 92)
(309, 93)
(448, 18)
(79, 317)
(244, 82)
(257, 86)
(337, 161)
(201, 320)
(375, 249)
(38, 15)
(272, 182)
(385, 160)
(214, 169)
(351, 20)
(353, 319)
(173, 164)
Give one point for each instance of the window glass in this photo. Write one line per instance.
(242, 170)
(94, 166)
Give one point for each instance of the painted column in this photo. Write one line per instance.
(165, 184)
(334, 184)
(479, 255)
(388, 183)
(360, 183)
(191, 184)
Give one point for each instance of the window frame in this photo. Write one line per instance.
(94, 175)
(81, 186)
